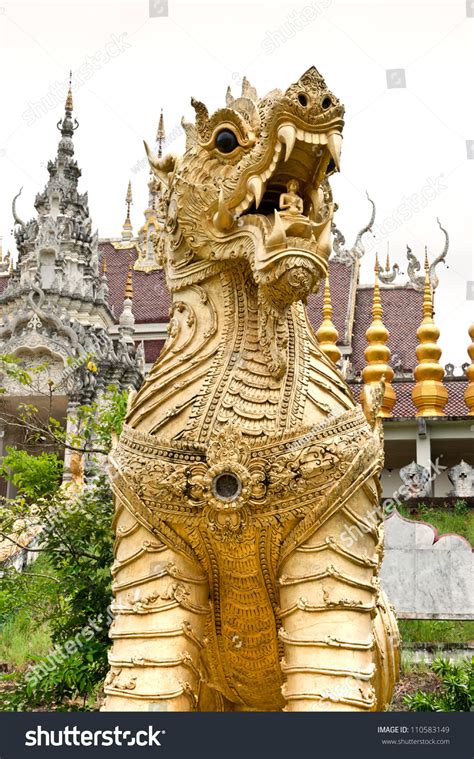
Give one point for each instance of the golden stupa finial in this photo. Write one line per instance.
(469, 392)
(69, 104)
(429, 394)
(428, 295)
(129, 283)
(327, 333)
(104, 266)
(160, 134)
(127, 230)
(377, 355)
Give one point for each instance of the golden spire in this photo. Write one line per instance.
(69, 104)
(429, 394)
(129, 283)
(469, 392)
(104, 266)
(127, 230)
(377, 355)
(160, 134)
(327, 334)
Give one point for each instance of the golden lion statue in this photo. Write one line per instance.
(244, 458)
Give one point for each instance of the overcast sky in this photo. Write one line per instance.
(411, 147)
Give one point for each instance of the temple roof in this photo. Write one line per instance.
(402, 312)
(404, 406)
(151, 299)
(340, 278)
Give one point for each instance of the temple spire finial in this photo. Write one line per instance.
(127, 319)
(160, 135)
(429, 394)
(327, 333)
(129, 284)
(69, 101)
(428, 295)
(127, 229)
(377, 355)
(469, 392)
(67, 125)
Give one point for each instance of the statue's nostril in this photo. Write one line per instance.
(326, 103)
(302, 99)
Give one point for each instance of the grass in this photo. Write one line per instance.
(461, 522)
(27, 600)
(435, 631)
(408, 664)
(21, 639)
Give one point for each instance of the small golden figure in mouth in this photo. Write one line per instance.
(291, 207)
(290, 202)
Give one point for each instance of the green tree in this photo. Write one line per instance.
(73, 535)
(33, 476)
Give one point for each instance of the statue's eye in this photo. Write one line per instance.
(226, 141)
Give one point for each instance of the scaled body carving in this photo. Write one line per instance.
(248, 541)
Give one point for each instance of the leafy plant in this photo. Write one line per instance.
(77, 543)
(33, 476)
(461, 507)
(70, 591)
(456, 693)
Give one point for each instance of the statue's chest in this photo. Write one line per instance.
(243, 389)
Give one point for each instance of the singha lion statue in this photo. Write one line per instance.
(244, 458)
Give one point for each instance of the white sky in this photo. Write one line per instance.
(399, 144)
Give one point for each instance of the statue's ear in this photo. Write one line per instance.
(161, 167)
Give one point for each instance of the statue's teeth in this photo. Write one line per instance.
(325, 241)
(223, 219)
(335, 145)
(277, 237)
(287, 135)
(256, 186)
(317, 199)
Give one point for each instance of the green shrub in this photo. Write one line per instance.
(78, 542)
(33, 476)
(456, 693)
(461, 507)
(72, 592)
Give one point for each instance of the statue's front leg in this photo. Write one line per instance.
(161, 606)
(329, 602)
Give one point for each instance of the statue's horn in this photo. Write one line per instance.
(161, 167)
(202, 118)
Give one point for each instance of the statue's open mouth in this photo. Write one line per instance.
(284, 197)
(299, 154)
